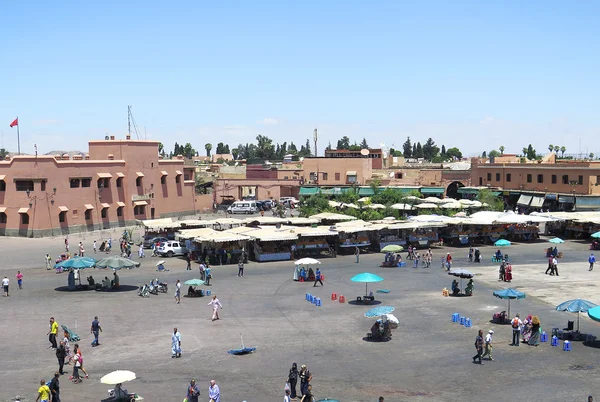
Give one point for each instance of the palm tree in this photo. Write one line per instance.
(501, 149)
(556, 148)
(562, 150)
(208, 147)
(525, 151)
(550, 147)
(591, 155)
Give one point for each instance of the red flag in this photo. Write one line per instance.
(15, 122)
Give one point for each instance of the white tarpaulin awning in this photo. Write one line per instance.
(524, 200)
(164, 223)
(537, 202)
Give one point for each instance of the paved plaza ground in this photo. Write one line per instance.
(428, 358)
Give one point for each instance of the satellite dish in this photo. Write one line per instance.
(301, 158)
(364, 152)
(107, 138)
(391, 174)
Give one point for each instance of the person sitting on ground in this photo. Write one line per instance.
(455, 289)
(499, 255)
(91, 282)
(469, 288)
(106, 283)
(120, 393)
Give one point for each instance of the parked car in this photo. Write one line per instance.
(243, 207)
(149, 242)
(290, 203)
(171, 248)
(269, 203)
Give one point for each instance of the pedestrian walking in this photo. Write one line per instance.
(478, 346)
(76, 366)
(287, 397)
(215, 303)
(95, 329)
(592, 261)
(55, 388)
(318, 278)
(175, 344)
(293, 380)
(554, 266)
(61, 353)
(95, 247)
(193, 392)
(177, 292)
(488, 345)
(43, 392)
(20, 279)
(79, 356)
(357, 254)
(305, 379)
(241, 267)
(308, 396)
(48, 261)
(81, 249)
(188, 261)
(213, 392)
(141, 251)
(416, 260)
(516, 324)
(5, 283)
(66, 244)
(52, 333)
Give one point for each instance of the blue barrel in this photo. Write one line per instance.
(306, 297)
(468, 323)
(462, 320)
(455, 317)
(310, 298)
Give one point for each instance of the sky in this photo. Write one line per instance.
(470, 74)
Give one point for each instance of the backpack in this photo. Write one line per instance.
(515, 323)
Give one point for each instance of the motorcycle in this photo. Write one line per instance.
(143, 291)
(160, 286)
(153, 289)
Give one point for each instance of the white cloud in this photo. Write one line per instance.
(269, 121)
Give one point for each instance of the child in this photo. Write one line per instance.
(20, 279)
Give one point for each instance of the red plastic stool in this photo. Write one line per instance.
(334, 296)
(342, 299)
(301, 279)
(322, 277)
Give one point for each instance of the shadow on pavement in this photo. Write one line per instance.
(371, 339)
(122, 288)
(357, 303)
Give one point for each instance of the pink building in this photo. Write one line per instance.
(118, 182)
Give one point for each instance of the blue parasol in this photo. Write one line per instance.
(77, 262)
(594, 313)
(379, 311)
(502, 243)
(366, 277)
(242, 351)
(556, 240)
(596, 235)
(509, 294)
(576, 306)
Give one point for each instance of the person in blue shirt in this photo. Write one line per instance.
(318, 278)
(592, 260)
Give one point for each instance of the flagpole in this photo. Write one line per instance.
(18, 137)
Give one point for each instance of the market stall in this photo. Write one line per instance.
(315, 241)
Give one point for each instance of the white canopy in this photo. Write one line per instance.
(333, 217)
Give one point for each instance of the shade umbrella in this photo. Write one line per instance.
(367, 278)
(194, 282)
(576, 306)
(241, 351)
(118, 377)
(307, 261)
(556, 240)
(77, 262)
(116, 262)
(392, 248)
(594, 313)
(596, 235)
(379, 310)
(502, 243)
(509, 294)
(461, 273)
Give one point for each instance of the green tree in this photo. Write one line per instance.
(562, 151)
(3, 153)
(314, 204)
(343, 143)
(189, 151)
(430, 150)
(531, 154)
(419, 151)
(264, 147)
(208, 147)
(525, 151)
(556, 148)
(407, 148)
(550, 147)
(363, 144)
(443, 153)
(591, 155)
(292, 148)
(161, 148)
(328, 146)
(454, 152)
(501, 149)
(414, 151)
(222, 148)
(491, 202)
(484, 154)
(395, 152)
(493, 153)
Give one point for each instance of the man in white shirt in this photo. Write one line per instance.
(488, 344)
(555, 266)
(5, 282)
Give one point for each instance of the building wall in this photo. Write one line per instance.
(423, 177)
(375, 156)
(328, 167)
(262, 189)
(170, 198)
(519, 179)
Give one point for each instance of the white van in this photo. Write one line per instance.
(243, 207)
